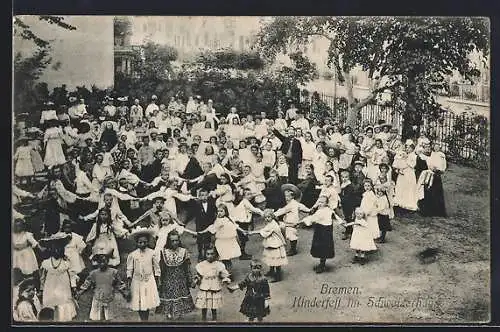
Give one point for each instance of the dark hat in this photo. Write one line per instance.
(23, 285)
(290, 187)
(158, 198)
(46, 314)
(383, 165)
(56, 240)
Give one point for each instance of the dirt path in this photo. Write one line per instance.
(453, 289)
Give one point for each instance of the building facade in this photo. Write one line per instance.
(190, 35)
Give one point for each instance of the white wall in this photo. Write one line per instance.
(85, 54)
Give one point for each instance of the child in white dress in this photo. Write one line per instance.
(361, 238)
(370, 208)
(282, 168)
(24, 168)
(143, 274)
(210, 275)
(274, 244)
(226, 236)
(290, 213)
(23, 256)
(74, 248)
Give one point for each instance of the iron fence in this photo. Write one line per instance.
(465, 138)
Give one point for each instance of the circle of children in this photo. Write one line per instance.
(128, 172)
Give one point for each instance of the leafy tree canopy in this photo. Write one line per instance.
(409, 56)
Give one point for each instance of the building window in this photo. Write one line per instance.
(196, 41)
(188, 40)
(145, 27)
(206, 39)
(159, 27)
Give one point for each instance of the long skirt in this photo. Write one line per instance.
(322, 243)
(432, 205)
(362, 239)
(275, 256)
(57, 294)
(406, 191)
(54, 154)
(384, 223)
(144, 294)
(206, 299)
(175, 297)
(24, 167)
(25, 260)
(373, 226)
(37, 161)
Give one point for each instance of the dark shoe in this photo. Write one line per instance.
(362, 261)
(245, 257)
(355, 260)
(291, 253)
(321, 269)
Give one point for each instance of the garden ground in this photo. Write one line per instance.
(455, 288)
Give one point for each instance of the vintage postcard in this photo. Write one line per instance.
(173, 169)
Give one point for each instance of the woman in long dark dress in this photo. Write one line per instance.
(428, 170)
(272, 192)
(308, 187)
(109, 136)
(176, 279)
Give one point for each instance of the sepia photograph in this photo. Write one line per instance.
(250, 169)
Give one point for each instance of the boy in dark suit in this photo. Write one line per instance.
(204, 212)
(349, 200)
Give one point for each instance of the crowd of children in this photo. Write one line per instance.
(144, 174)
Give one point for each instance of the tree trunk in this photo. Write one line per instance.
(410, 112)
(352, 110)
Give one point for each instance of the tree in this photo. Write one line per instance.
(28, 69)
(152, 68)
(410, 57)
(230, 59)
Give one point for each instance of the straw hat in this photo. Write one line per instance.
(154, 97)
(57, 240)
(101, 249)
(122, 98)
(142, 231)
(290, 187)
(23, 285)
